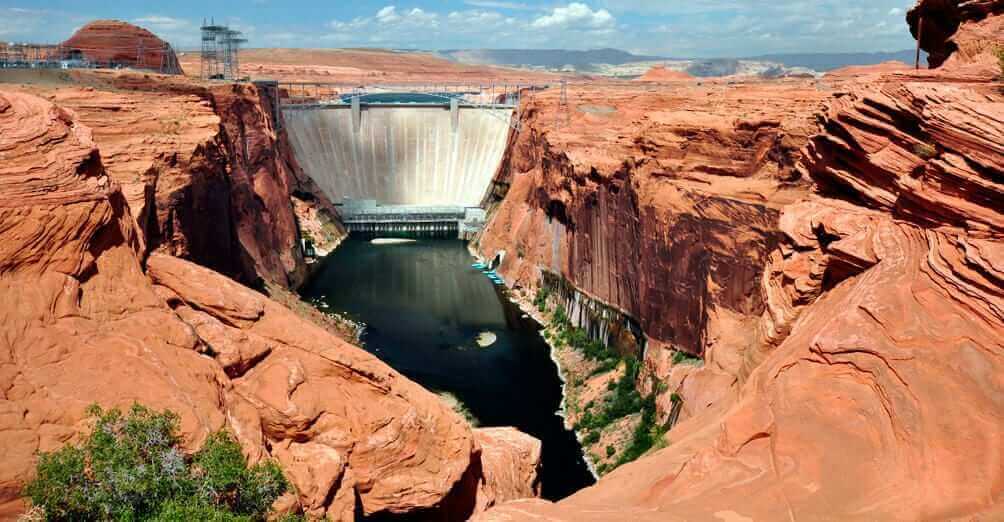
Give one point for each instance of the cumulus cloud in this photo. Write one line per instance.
(388, 15)
(679, 28)
(575, 15)
(499, 5)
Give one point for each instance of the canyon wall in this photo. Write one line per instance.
(401, 156)
(661, 205)
(90, 317)
(868, 387)
(202, 167)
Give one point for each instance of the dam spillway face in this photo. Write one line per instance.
(413, 156)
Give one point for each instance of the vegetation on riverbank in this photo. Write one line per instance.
(132, 467)
(620, 423)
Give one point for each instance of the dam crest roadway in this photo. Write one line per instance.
(403, 160)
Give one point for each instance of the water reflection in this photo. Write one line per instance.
(425, 307)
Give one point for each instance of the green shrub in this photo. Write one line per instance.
(591, 438)
(176, 511)
(223, 478)
(625, 400)
(646, 436)
(131, 467)
(681, 357)
(559, 318)
(925, 151)
(610, 451)
(540, 300)
(1000, 60)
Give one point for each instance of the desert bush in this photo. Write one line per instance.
(681, 357)
(925, 150)
(623, 401)
(540, 300)
(647, 435)
(132, 467)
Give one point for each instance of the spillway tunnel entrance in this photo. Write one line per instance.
(402, 164)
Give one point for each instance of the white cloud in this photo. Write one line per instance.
(388, 15)
(576, 16)
(499, 5)
(895, 11)
(414, 17)
(696, 28)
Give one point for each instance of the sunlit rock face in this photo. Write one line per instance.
(87, 316)
(113, 42)
(871, 377)
(402, 156)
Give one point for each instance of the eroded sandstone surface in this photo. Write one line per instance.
(206, 174)
(116, 43)
(868, 384)
(88, 317)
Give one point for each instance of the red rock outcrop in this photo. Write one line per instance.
(660, 204)
(205, 172)
(116, 43)
(83, 321)
(958, 32)
(853, 71)
(869, 388)
(926, 152)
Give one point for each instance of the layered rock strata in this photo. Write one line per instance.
(112, 43)
(662, 205)
(85, 321)
(206, 173)
(958, 32)
(868, 388)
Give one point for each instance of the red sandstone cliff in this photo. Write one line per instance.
(958, 32)
(115, 43)
(661, 204)
(205, 172)
(869, 386)
(85, 321)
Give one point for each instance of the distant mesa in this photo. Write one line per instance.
(660, 73)
(113, 43)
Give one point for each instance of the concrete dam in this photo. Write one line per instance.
(402, 167)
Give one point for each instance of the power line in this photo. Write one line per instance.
(220, 49)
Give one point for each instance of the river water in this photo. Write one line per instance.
(424, 308)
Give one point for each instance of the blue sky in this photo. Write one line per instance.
(679, 28)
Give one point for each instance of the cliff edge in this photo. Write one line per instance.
(867, 384)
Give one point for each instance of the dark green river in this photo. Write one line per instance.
(424, 307)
